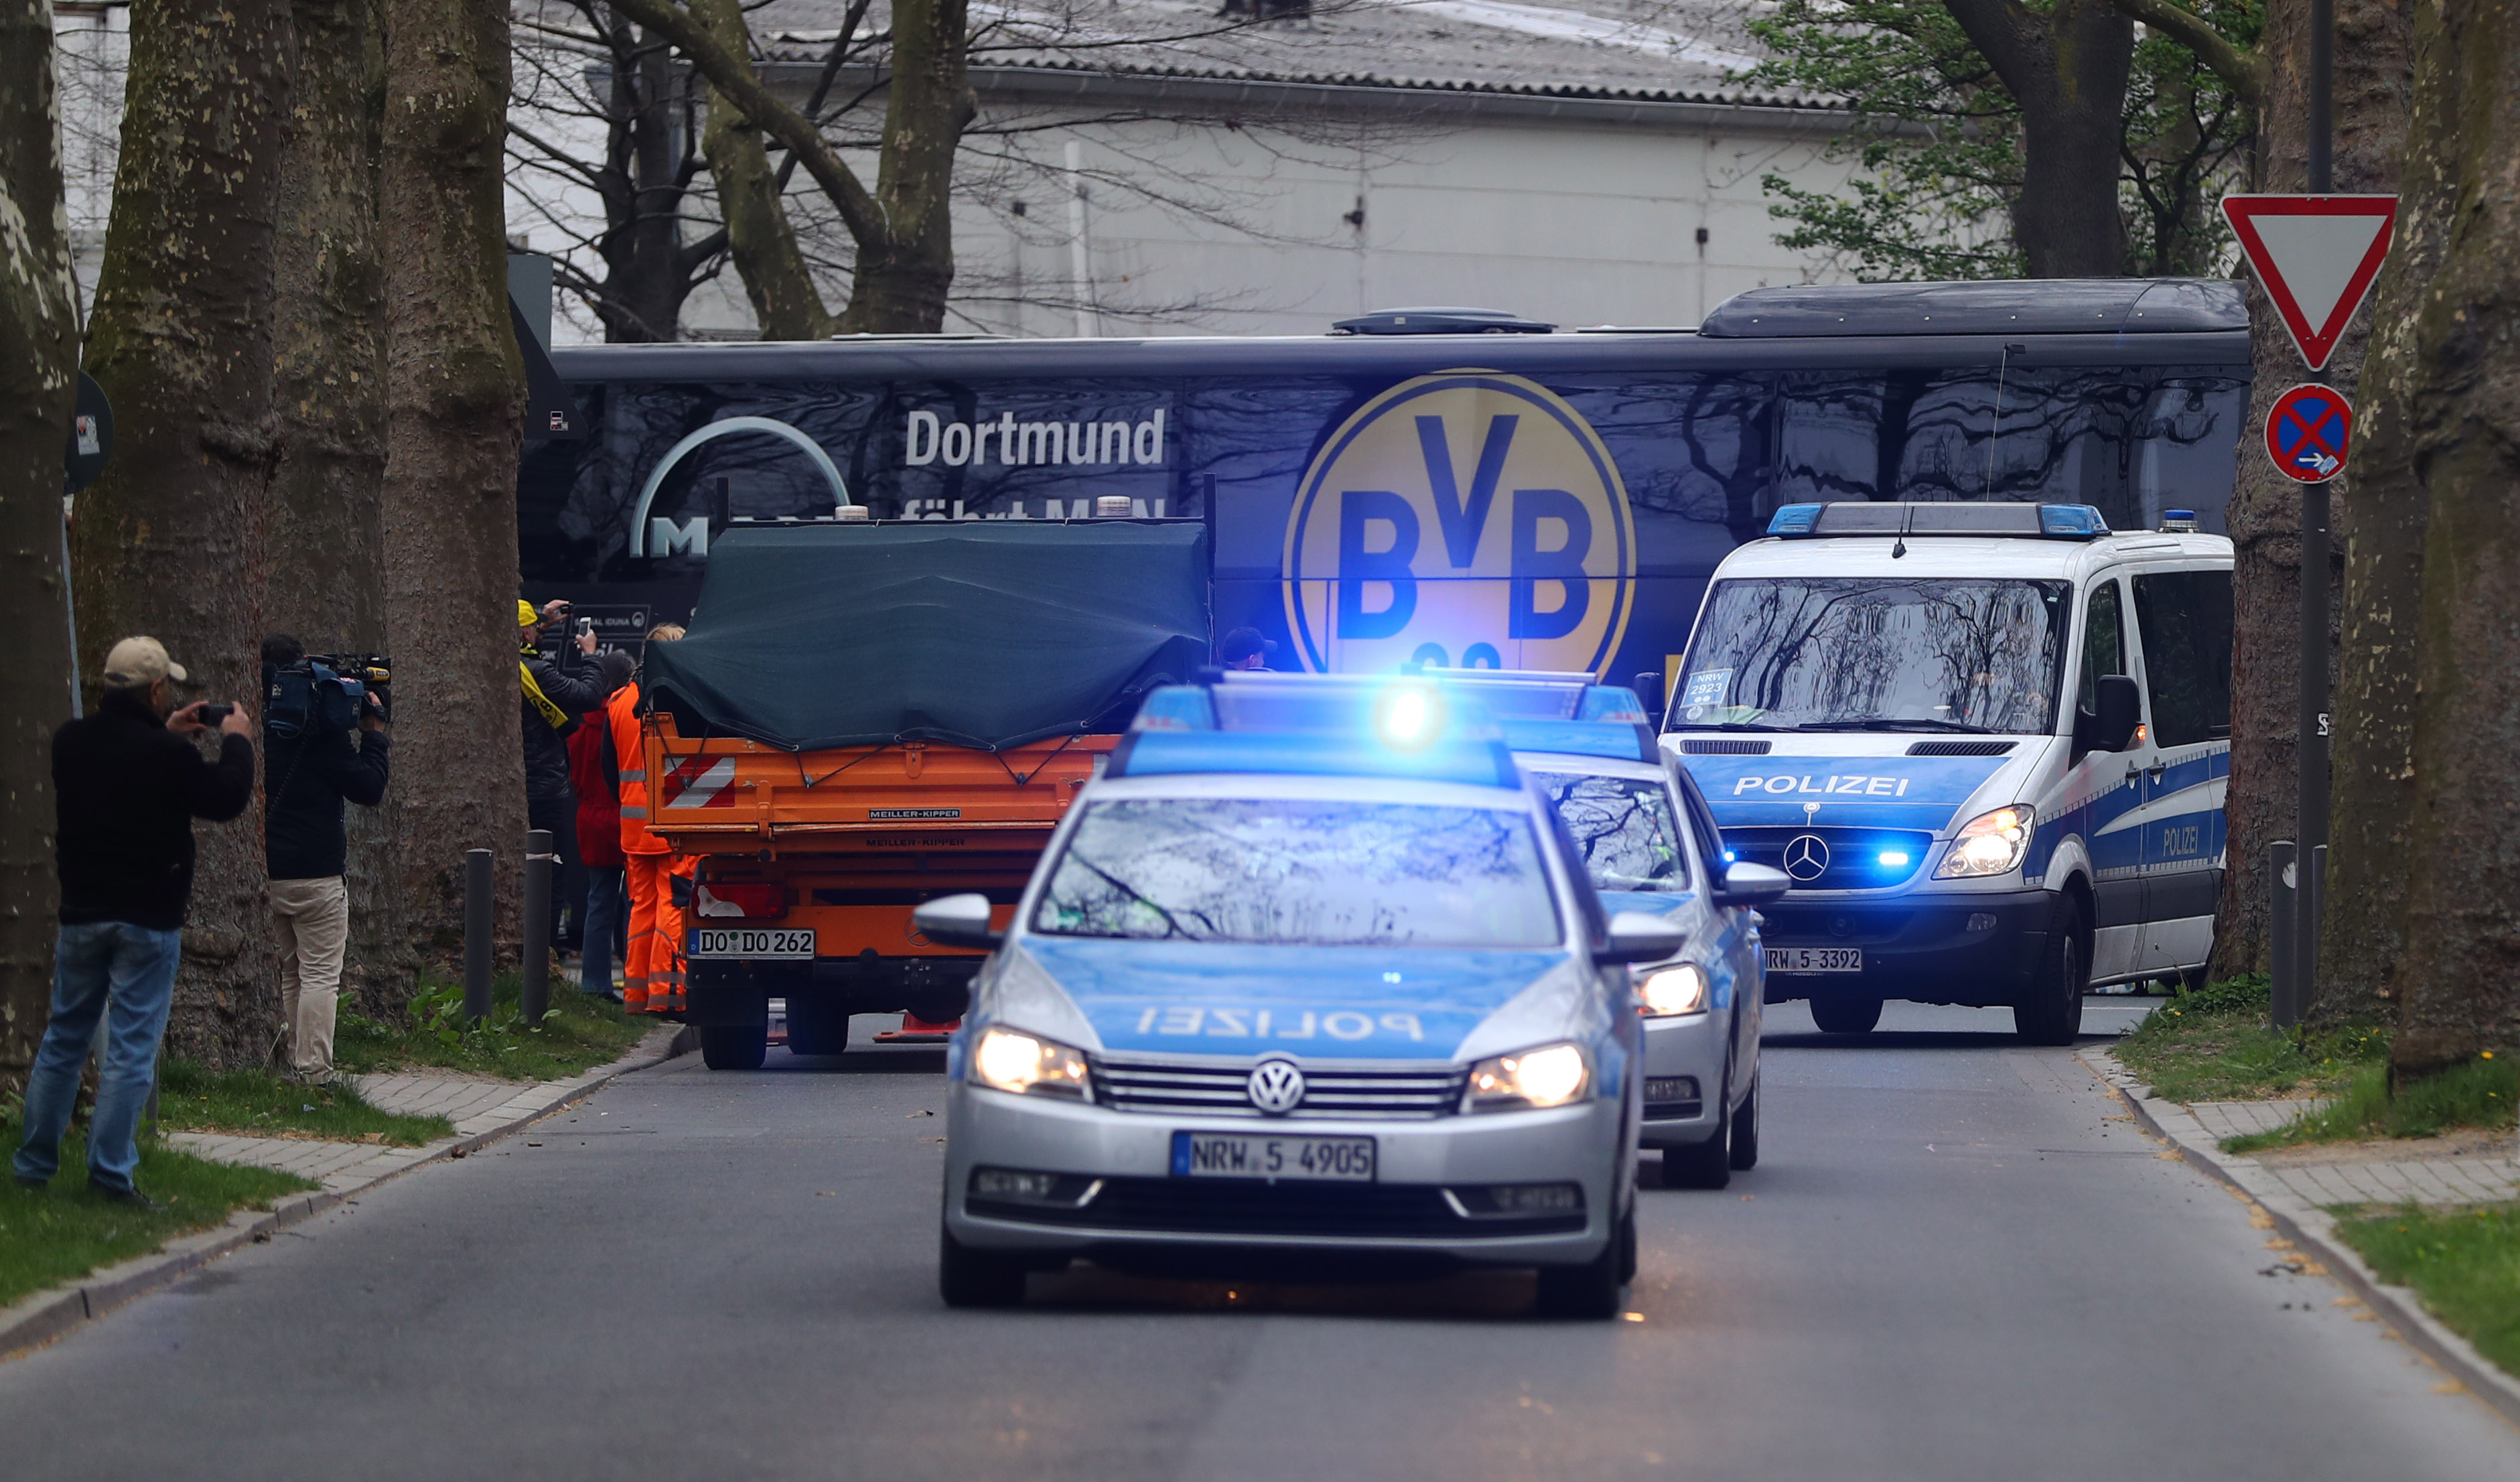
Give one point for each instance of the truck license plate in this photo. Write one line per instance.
(753, 942)
(1815, 958)
(1243, 1155)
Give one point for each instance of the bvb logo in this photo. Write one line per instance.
(1464, 520)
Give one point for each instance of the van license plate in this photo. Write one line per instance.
(1243, 1155)
(1815, 958)
(753, 942)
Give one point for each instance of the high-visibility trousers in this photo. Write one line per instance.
(652, 976)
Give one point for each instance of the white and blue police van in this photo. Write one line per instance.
(1307, 973)
(1988, 744)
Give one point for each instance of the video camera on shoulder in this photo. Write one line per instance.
(325, 691)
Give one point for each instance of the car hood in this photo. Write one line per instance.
(1859, 792)
(1316, 1002)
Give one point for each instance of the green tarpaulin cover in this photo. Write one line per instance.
(985, 634)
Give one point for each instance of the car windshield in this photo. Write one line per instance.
(1840, 652)
(1287, 872)
(1625, 826)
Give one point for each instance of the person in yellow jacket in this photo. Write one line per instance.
(653, 979)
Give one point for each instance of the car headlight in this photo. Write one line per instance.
(1667, 991)
(1552, 1075)
(1006, 1060)
(1992, 843)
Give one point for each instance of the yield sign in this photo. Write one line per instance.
(2308, 430)
(2316, 257)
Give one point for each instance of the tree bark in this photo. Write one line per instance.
(901, 280)
(324, 580)
(786, 303)
(2262, 802)
(454, 395)
(2461, 972)
(168, 540)
(2067, 68)
(647, 269)
(38, 381)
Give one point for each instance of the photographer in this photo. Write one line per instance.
(127, 784)
(311, 767)
(554, 701)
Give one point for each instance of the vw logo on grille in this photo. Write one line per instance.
(1277, 1086)
(1807, 857)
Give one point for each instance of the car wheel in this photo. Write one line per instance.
(1589, 1291)
(2053, 1012)
(734, 1046)
(1845, 1015)
(1745, 1130)
(1707, 1165)
(816, 1028)
(968, 1278)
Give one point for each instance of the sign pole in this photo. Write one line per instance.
(2311, 750)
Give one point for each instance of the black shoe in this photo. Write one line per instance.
(129, 1198)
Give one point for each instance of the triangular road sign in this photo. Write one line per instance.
(2317, 256)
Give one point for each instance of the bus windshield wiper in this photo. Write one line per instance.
(1896, 723)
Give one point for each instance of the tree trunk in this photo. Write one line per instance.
(38, 378)
(901, 279)
(786, 303)
(455, 394)
(2460, 979)
(646, 278)
(2067, 69)
(2262, 802)
(325, 527)
(168, 542)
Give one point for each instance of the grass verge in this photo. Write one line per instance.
(59, 1234)
(2465, 1263)
(2214, 1045)
(2478, 1094)
(581, 1031)
(193, 1098)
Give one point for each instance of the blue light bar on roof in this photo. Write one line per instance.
(1186, 753)
(1795, 519)
(1628, 742)
(1977, 518)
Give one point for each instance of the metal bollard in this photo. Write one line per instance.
(476, 935)
(533, 998)
(2284, 940)
(2317, 902)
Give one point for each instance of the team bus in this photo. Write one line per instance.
(1450, 488)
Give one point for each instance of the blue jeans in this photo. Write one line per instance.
(608, 914)
(94, 962)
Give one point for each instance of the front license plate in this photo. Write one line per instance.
(1815, 958)
(753, 942)
(1247, 1155)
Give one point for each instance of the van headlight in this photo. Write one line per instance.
(1552, 1075)
(1991, 844)
(1007, 1060)
(1668, 991)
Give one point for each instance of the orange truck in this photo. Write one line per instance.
(866, 716)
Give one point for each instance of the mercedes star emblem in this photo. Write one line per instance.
(1277, 1086)
(1806, 860)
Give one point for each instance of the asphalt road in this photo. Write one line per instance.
(1956, 1262)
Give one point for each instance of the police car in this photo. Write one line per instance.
(1650, 844)
(1988, 743)
(1306, 970)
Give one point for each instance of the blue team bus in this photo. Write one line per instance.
(1444, 486)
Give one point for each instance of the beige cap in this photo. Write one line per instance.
(136, 663)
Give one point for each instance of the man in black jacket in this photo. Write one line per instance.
(554, 699)
(310, 768)
(127, 784)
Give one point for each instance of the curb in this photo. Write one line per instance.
(2313, 1230)
(39, 1318)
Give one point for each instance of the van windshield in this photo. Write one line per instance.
(1290, 872)
(1889, 654)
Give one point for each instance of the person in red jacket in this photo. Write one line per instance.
(593, 772)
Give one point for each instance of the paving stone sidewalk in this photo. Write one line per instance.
(2328, 1176)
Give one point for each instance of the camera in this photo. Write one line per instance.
(213, 714)
(325, 691)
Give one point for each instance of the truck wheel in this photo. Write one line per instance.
(816, 1028)
(1589, 1291)
(1845, 1015)
(968, 1278)
(734, 1046)
(2051, 1011)
(1745, 1130)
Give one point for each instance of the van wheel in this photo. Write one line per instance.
(2053, 1012)
(1745, 1130)
(1589, 1291)
(734, 1046)
(1845, 1015)
(968, 1278)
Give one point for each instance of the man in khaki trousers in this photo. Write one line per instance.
(311, 767)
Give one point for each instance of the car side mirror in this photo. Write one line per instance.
(1748, 885)
(2120, 710)
(1637, 937)
(957, 920)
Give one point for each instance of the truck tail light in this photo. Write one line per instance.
(760, 903)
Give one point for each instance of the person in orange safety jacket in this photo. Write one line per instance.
(653, 979)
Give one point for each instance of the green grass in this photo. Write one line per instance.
(192, 1097)
(62, 1233)
(2465, 1265)
(581, 1031)
(2478, 1094)
(2214, 1045)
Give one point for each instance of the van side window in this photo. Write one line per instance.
(2104, 641)
(2185, 620)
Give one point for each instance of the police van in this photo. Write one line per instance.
(1988, 743)
(1308, 972)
